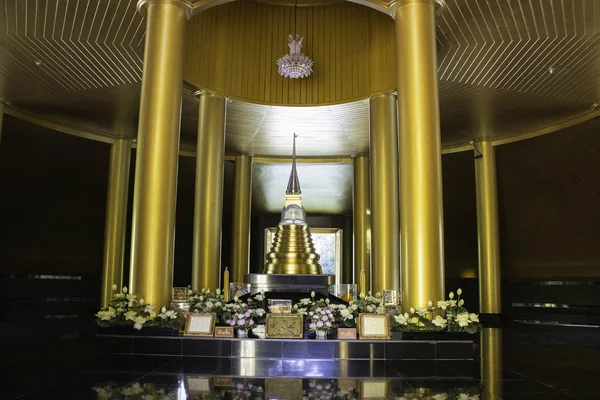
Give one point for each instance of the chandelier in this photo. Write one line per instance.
(295, 65)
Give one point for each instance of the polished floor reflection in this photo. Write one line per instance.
(516, 362)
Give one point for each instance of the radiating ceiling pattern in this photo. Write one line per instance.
(506, 67)
(543, 47)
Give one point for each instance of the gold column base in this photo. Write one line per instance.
(293, 252)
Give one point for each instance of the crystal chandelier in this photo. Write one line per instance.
(295, 65)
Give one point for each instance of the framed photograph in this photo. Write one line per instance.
(284, 326)
(198, 385)
(199, 324)
(373, 389)
(280, 306)
(180, 294)
(373, 326)
(391, 298)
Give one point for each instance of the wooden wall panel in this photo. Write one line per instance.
(233, 50)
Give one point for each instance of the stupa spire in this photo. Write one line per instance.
(293, 194)
(293, 186)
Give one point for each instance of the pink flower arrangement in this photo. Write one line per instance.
(322, 319)
(241, 317)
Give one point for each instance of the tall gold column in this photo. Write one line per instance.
(362, 219)
(116, 219)
(491, 363)
(1, 120)
(487, 230)
(385, 241)
(421, 218)
(242, 201)
(208, 205)
(153, 229)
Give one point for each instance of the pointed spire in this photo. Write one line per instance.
(293, 186)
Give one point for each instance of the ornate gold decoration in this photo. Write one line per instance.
(373, 326)
(284, 326)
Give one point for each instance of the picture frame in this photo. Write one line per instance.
(373, 326)
(180, 295)
(199, 324)
(224, 331)
(391, 298)
(373, 389)
(198, 385)
(280, 306)
(284, 326)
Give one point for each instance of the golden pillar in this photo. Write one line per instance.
(154, 198)
(242, 200)
(487, 230)
(208, 205)
(385, 241)
(116, 219)
(491, 362)
(362, 219)
(421, 217)
(1, 120)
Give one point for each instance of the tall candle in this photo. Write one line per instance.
(226, 284)
(363, 281)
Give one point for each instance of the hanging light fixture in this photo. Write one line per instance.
(295, 64)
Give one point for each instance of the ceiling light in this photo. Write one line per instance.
(295, 64)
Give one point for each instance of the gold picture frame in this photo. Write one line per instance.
(284, 326)
(373, 326)
(199, 324)
(198, 385)
(180, 295)
(374, 389)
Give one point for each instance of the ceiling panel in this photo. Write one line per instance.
(506, 68)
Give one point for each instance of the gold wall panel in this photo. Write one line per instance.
(233, 48)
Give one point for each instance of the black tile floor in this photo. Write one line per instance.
(537, 362)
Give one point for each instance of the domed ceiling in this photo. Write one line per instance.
(506, 69)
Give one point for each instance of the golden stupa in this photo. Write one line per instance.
(292, 250)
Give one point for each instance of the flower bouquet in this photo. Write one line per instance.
(321, 321)
(447, 315)
(206, 301)
(126, 311)
(320, 390)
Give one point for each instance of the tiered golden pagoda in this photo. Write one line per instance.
(292, 250)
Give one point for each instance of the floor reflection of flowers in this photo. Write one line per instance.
(320, 389)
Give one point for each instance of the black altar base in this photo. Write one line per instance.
(288, 348)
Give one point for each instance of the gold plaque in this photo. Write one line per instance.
(288, 389)
(223, 331)
(346, 333)
(285, 326)
(373, 326)
(222, 381)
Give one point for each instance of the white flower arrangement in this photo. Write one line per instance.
(125, 310)
(446, 315)
(206, 301)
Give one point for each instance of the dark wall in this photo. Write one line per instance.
(263, 221)
(53, 199)
(549, 197)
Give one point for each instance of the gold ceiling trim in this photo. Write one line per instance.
(56, 126)
(548, 129)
